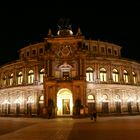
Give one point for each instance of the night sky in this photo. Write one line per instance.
(23, 26)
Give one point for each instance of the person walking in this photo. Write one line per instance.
(95, 115)
(91, 115)
(49, 112)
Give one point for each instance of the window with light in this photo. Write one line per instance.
(103, 75)
(115, 75)
(89, 74)
(19, 78)
(41, 74)
(125, 76)
(134, 77)
(30, 77)
(11, 79)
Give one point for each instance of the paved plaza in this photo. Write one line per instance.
(106, 128)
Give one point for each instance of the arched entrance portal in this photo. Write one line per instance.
(64, 102)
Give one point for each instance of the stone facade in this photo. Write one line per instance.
(72, 76)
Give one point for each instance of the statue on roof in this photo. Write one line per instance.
(64, 23)
(64, 26)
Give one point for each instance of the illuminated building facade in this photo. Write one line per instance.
(72, 76)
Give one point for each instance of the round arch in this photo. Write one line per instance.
(64, 102)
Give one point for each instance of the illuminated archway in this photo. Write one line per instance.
(64, 102)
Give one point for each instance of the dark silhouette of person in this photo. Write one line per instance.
(91, 115)
(95, 115)
(49, 112)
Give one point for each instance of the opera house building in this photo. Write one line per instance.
(68, 75)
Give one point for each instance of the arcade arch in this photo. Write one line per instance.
(64, 102)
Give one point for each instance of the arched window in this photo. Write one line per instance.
(125, 76)
(30, 77)
(11, 79)
(115, 75)
(89, 74)
(103, 75)
(41, 99)
(90, 97)
(4, 80)
(134, 77)
(41, 74)
(30, 99)
(20, 78)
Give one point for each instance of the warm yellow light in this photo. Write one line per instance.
(17, 101)
(117, 100)
(64, 94)
(6, 102)
(129, 99)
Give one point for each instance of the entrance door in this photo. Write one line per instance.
(105, 107)
(66, 106)
(118, 107)
(91, 107)
(64, 102)
(129, 107)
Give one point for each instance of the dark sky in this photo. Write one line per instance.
(22, 26)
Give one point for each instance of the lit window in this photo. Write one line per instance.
(125, 76)
(20, 78)
(90, 97)
(41, 99)
(41, 74)
(30, 77)
(89, 74)
(115, 75)
(11, 79)
(134, 77)
(103, 75)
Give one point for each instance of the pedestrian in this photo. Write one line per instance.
(49, 112)
(95, 115)
(91, 115)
